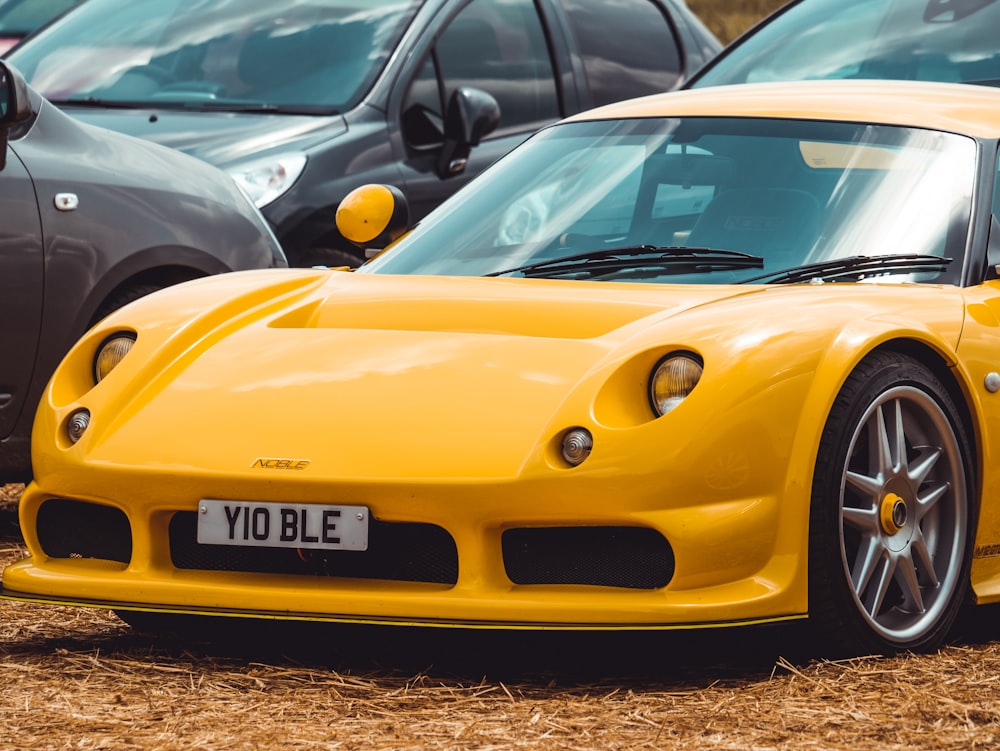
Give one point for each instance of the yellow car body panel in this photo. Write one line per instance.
(962, 108)
(733, 502)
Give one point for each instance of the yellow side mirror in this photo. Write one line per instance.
(373, 216)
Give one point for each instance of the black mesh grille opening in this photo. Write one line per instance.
(397, 551)
(76, 529)
(631, 557)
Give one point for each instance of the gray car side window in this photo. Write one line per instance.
(641, 57)
(498, 46)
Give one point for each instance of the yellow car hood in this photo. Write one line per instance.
(353, 375)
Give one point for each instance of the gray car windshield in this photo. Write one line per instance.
(707, 200)
(300, 55)
(923, 40)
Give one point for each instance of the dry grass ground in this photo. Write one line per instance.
(730, 18)
(82, 679)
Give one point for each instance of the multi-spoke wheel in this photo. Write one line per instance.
(891, 515)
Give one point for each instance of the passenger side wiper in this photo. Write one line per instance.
(639, 260)
(856, 267)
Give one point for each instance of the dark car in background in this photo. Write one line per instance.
(89, 221)
(923, 40)
(18, 18)
(304, 100)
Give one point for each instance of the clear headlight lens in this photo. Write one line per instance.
(577, 444)
(111, 352)
(77, 425)
(263, 180)
(673, 378)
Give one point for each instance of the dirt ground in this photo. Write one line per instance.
(79, 678)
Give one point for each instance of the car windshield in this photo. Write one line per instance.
(707, 200)
(925, 40)
(304, 55)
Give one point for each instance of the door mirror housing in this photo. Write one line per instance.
(373, 217)
(15, 104)
(471, 115)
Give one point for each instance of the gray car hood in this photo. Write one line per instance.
(220, 138)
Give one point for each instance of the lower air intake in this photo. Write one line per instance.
(76, 529)
(629, 557)
(397, 551)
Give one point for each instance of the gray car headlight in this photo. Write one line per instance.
(673, 378)
(264, 180)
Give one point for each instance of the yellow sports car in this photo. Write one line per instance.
(717, 357)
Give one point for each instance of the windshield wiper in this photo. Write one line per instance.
(856, 267)
(639, 261)
(91, 101)
(213, 105)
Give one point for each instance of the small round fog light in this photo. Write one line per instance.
(77, 424)
(576, 445)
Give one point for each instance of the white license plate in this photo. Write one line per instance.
(282, 525)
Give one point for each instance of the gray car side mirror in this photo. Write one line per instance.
(472, 114)
(15, 104)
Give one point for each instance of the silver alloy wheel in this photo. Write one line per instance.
(903, 514)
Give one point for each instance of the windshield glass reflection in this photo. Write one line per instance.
(294, 54)
(791, 192)
(921, 40)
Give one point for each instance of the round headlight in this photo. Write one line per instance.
(673, 378)
(111, 352)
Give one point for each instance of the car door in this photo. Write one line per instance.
(21, 292)
(498, 46)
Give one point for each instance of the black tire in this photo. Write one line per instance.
(122, 297)
(892, 519)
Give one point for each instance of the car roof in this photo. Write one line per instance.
(962, 108)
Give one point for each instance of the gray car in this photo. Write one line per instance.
(90, 220)
(305, 100)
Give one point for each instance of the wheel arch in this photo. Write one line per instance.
(160, 267)
(158, 277)
(844, 358)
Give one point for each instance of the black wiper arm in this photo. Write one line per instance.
(110, 104)
(857, 267)
(212, 105)
(675, 259)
